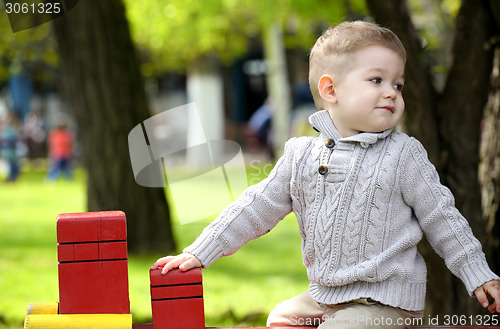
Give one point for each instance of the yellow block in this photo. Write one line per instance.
(43, 308)
(78, 321)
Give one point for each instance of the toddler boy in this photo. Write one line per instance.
(363, 197)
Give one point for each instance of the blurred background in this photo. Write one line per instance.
(74, 86)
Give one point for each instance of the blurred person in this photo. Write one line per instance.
(34, 135)
(258, 130)
(60, 143)
(9, 140)
(302, 108)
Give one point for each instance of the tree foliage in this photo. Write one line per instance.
(31, 48)
(175, 32)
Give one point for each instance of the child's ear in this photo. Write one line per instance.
(326, 86)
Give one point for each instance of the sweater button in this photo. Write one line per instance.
(323, 170)
(330, 143)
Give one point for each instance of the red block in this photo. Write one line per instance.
(91, 226)
(86, 251)
(113, 250)
(92, 254)
(113, 226)
(170, 292)
(93, 288)
(79, 227)
(175, 277)
(65, 253)
(177, 299)
(185, 313)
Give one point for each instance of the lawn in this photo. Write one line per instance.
(238, 290)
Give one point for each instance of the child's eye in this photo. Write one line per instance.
(399, 86)
(376, 80)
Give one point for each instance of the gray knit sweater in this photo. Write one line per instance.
(361, 203)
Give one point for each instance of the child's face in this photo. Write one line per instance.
(368, 97)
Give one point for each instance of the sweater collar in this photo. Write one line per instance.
(322, 122)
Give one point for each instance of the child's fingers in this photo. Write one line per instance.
(162, 261)
(175, 262)
(493, 307)
(183, 261)
(192, 262)
(492, 288)
(187, 265)
(495, 293)
(481, 296)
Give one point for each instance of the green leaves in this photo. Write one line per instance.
(28, 48)
(171, 33)
(175, 32)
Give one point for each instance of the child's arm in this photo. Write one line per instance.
(444, 226)
(184, 262)
(491, 288)
(257, 211)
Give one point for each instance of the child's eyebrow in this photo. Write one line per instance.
(382, 70)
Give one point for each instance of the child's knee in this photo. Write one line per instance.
(300, 310)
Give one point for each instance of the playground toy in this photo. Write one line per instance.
(93, 271)
(177, 299)
(93, 282)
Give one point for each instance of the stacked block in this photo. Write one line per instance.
(177, 299)
(78, 321)
(92, 255)
(42, 308)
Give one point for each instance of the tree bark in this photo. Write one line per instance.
(461, 108)
(448, 125)
(489, 173)
(106, 90)
(490, 150)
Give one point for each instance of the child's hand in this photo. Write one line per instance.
(491, 288)
(184, 262)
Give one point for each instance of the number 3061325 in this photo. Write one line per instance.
(32, 8)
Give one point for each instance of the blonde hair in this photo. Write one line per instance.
(330, 53)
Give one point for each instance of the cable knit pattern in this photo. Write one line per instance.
(362, 204)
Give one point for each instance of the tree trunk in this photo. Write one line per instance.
(490, 150)
(449, 127)
(278, 86)
(489, 173)
(461, 108)
(107, 94)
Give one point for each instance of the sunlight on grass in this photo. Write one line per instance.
(238, 290)
(28, 254)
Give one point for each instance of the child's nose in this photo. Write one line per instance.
(390, 92)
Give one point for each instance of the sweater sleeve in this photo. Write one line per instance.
(259, 209)
(444, 226)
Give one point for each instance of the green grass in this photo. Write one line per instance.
(238, 290)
